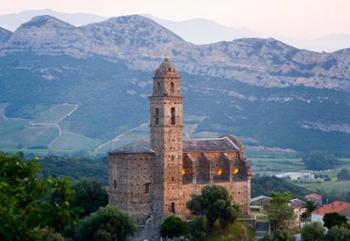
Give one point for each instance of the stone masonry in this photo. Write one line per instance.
(154, 179)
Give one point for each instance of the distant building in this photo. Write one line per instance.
(342, 208)
(315, 198)
(153, 179)
(258, 203)
(299, 207)
(296, 175)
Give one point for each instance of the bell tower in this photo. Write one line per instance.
(166, 139)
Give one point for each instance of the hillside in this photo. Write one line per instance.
(88, 86)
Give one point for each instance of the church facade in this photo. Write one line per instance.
(156, 178)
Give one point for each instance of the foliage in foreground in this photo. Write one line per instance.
(278, 235)
(278, 210)
(173, 227)
(334, 219)
(106, 224)
(313, 232)
(215, 205)
(28, 203)
(89, 195)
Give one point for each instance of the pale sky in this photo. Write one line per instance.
(290, 18)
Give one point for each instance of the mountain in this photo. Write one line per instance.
(13, 21)
(197, 31)
(203, 31)
(68, 88)
(4, 35)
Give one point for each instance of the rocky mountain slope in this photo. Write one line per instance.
(4, 35)
(269, 93)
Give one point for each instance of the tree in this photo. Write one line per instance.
(106, 224)
(338, 234)
(310, 207)
(197, 226)
(333, 219)
(89, 195)
(278, 210)
(172, 227)
(343, 175)
(313, 232)
(28, 203)
(320, 161)
(214, 203)
(278, 235)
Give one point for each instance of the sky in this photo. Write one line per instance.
(290, 18)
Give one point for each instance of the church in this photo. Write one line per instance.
(156, 178)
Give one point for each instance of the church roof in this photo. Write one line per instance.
(140, 146)
(166, 68)
(223, 143)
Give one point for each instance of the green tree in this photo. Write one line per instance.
(214, 203)
(28, 203)
(106, 224)
(197, 227)
(172, 227)
(343, 175)
(278, 210)
(278, 235)
(310, 207)
(89, 195)
(313, 232)
(338, 234)
(320, 161)
(333, 219)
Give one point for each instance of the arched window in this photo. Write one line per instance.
(158, 86)
(172, 87)
(173, 116)
(157, 116)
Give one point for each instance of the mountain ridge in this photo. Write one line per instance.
(266, 62)
(267, 92)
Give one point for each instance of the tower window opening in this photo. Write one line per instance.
(172, 208)
(169, 69)
(172, 87)
(158, 86)
(115, 184)
(147, 187)
(173, 116)
(157, 116)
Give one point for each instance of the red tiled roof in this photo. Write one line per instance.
(336, 207)
(313, 196)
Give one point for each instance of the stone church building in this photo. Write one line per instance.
(156, 178)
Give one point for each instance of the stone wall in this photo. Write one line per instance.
(130, 184)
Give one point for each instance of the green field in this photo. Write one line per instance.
(69, 141)
(276, 164)
(327, 187)
(54, 114)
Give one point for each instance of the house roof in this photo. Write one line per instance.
(259, 198)
(313, 196)
(223, 143)
(336, 206)
(297, 203)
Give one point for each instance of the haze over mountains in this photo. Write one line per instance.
(197, 31)
(85, 88)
